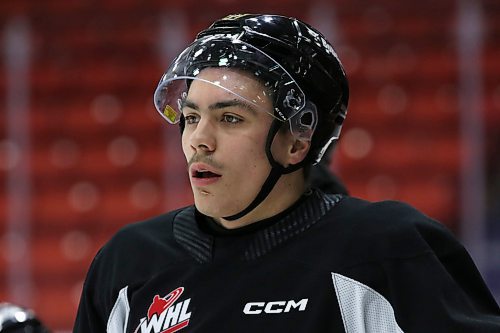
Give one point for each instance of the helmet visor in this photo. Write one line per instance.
(226, 51)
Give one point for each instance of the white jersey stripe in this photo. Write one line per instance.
(117, 322)
(363, 309)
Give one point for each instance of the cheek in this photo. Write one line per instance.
(186, 147)
(249, 156)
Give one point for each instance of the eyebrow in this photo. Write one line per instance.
(221, 105)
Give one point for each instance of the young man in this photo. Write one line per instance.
(259, 98)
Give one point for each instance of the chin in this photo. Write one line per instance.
(207, 205)
(212, 207)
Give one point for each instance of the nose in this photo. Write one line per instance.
(203, 136)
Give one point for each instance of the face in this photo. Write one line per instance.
(224, 141)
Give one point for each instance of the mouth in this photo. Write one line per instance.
(202, 174)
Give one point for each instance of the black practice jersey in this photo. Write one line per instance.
(327, 264)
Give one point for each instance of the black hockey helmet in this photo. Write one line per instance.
(299, 71)
(295, 62)
(15, 319)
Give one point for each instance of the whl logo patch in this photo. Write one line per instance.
(165, 315)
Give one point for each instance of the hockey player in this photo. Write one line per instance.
(259, 98)
(15, 319)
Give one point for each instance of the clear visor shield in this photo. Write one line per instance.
(241, 70)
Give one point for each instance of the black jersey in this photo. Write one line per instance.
(327, 264)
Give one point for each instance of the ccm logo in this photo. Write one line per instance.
(254, 308)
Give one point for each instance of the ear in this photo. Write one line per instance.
(298, 151)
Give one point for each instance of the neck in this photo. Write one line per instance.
(285, 193)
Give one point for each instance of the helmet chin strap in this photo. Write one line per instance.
(274, 175)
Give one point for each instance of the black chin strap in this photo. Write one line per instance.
(274, 175)
(268, 185)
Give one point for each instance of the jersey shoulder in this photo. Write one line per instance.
(139, 250)
(388, 229)
(154, 235)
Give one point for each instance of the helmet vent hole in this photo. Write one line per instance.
(307, 119)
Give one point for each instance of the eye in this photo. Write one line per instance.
(229, 118)
(191, 119)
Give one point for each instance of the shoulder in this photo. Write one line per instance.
(142, 231)
(141, 247)
(393, 217)
(378, 211)
(148, 235)
(389, 229)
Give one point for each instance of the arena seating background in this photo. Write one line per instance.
(97, 156)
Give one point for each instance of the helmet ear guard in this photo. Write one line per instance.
(303, 123)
